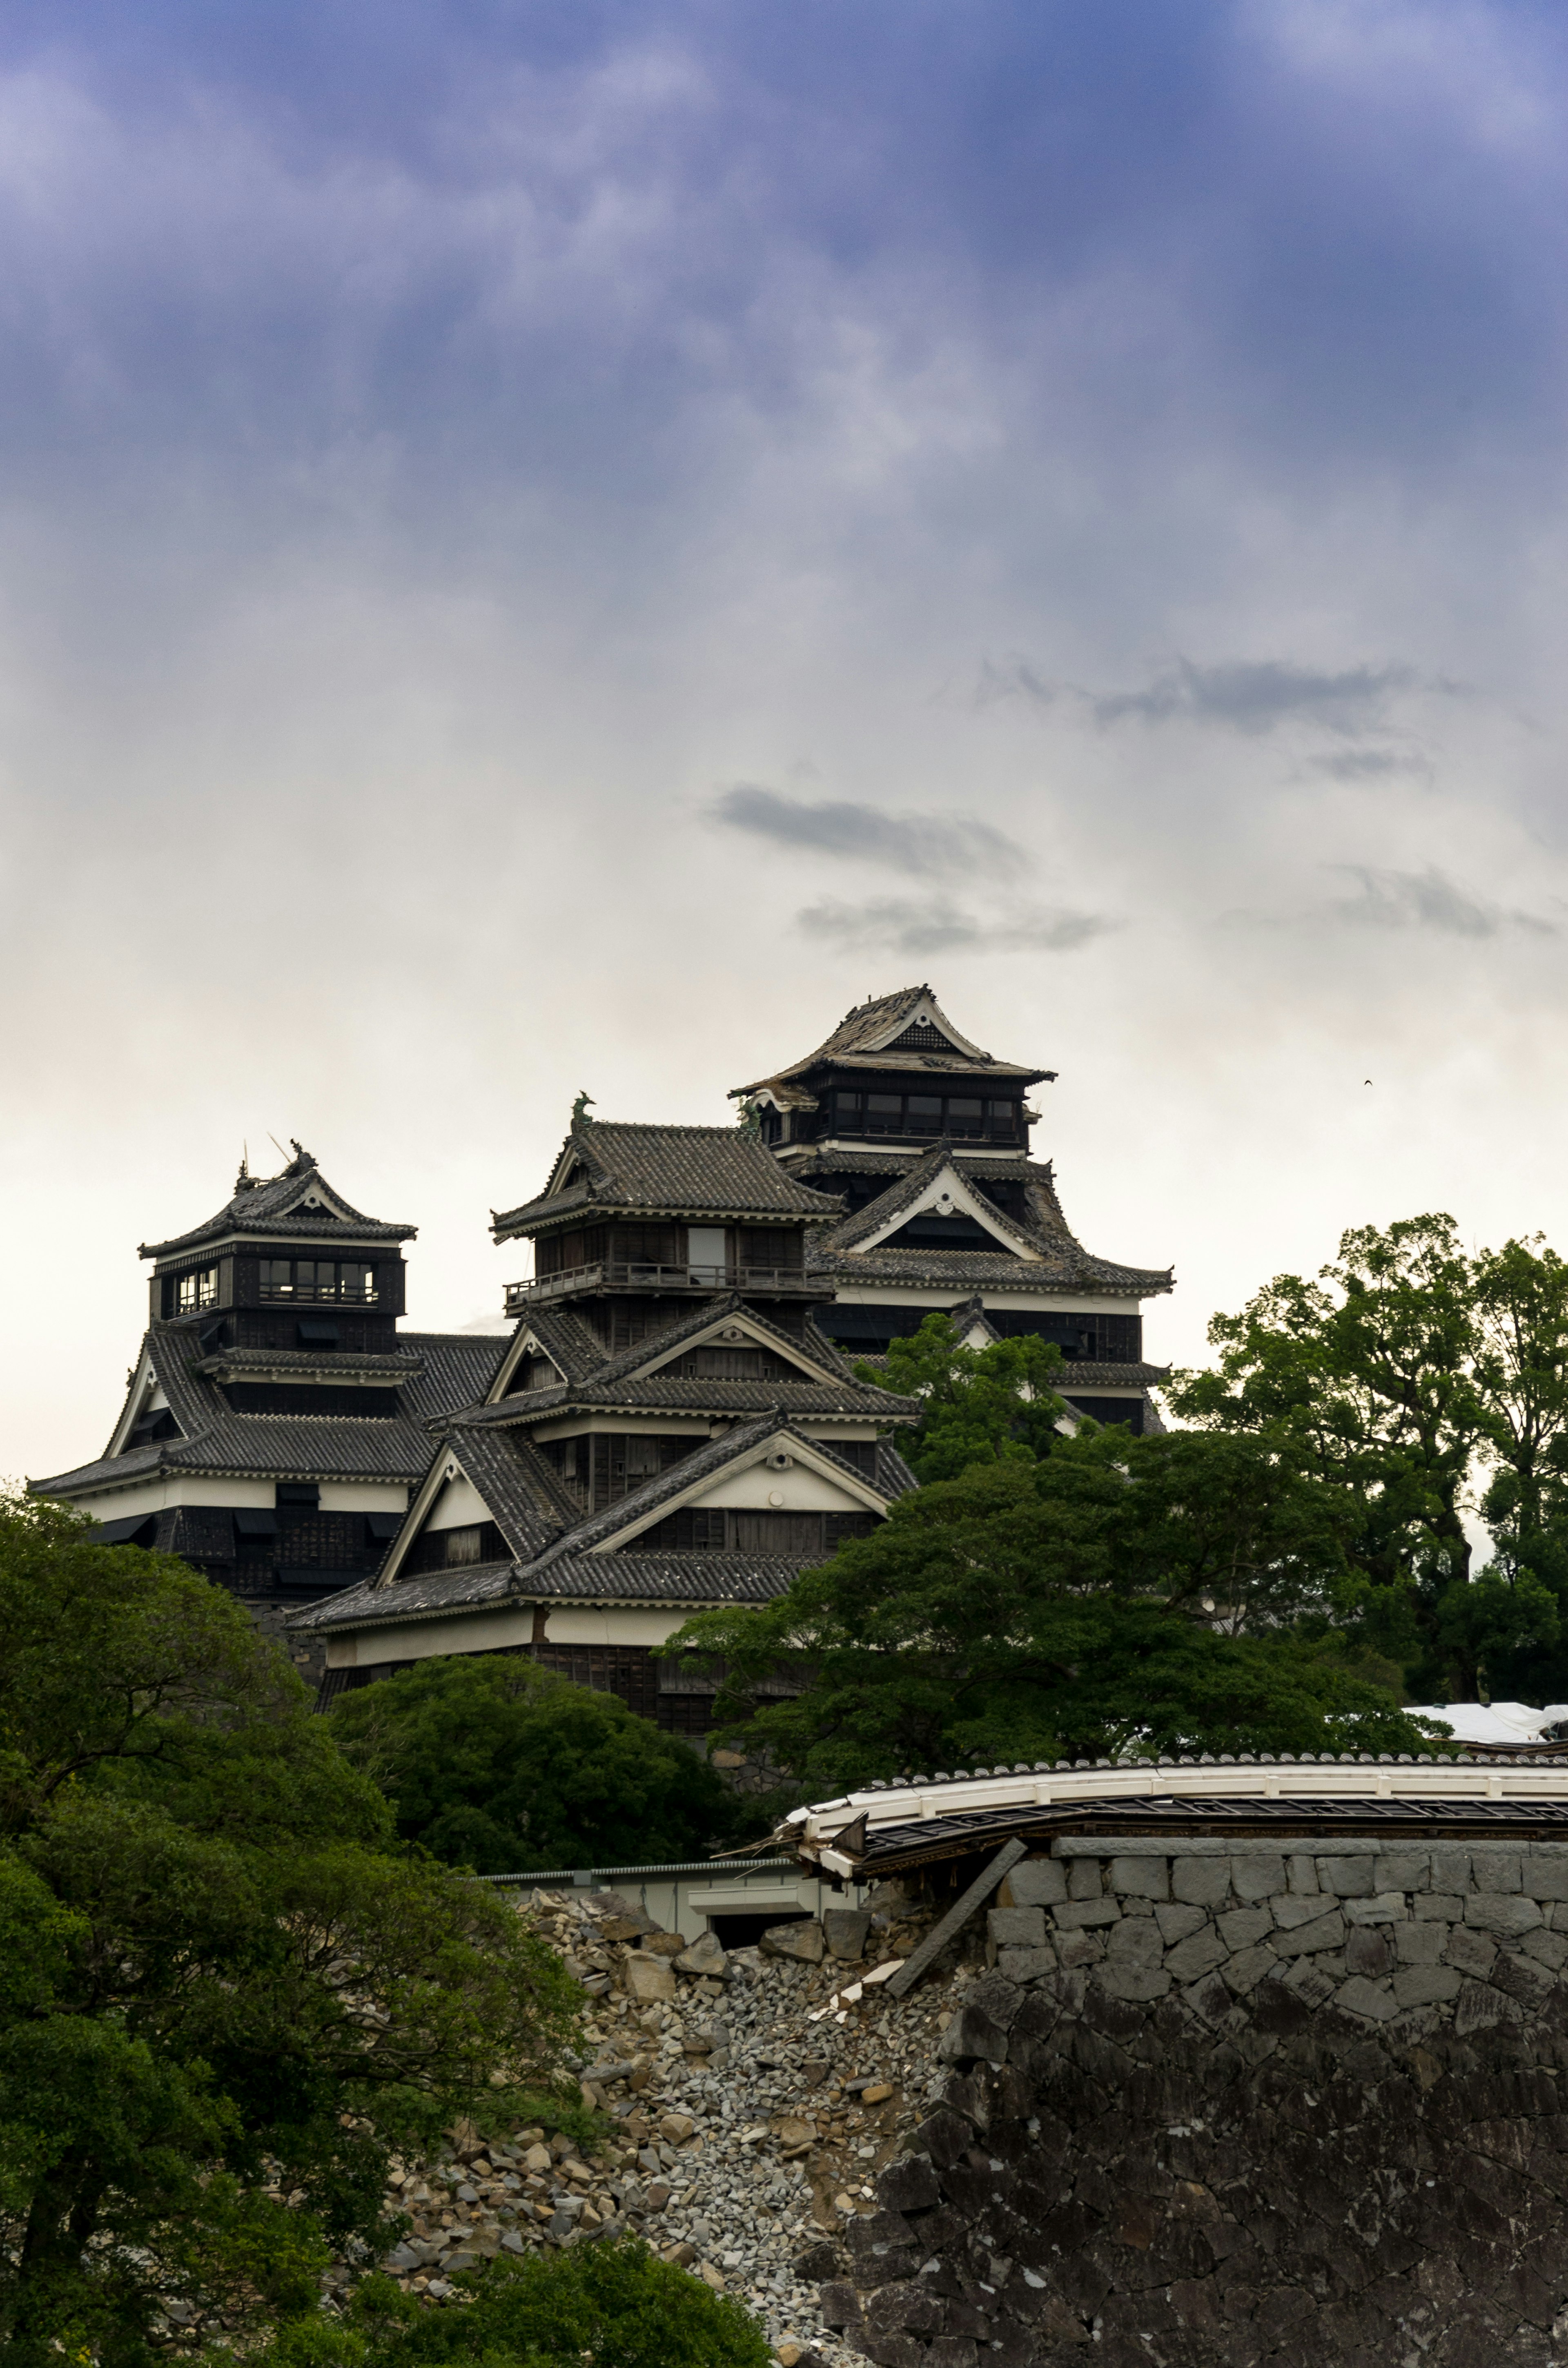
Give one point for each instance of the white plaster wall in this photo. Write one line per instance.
(153, 1495)
(487, 1631)
(364, 1497)
(798, 1490)
(459, 1507)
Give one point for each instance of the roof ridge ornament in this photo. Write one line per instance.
(581, 1106)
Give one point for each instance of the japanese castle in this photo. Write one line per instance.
(674, 1420)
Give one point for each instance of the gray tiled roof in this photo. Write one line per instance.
(618, 1383)
(1081, 1376)
(689, 1580)
(399, 1366)
(561, 1332)
(701, 1172)
(271, 1207)
(853, 1044)
(449, 1369)
(1060, 1263)
(700, 1464)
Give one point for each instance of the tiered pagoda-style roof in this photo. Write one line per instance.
(274, 1420)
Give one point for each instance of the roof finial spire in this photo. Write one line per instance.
(581, 1106)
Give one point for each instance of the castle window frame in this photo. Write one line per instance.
(196, 1290)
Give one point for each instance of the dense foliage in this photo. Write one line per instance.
(1275, 1575)
(613, 2304)
(492, 1763)
(1417, 1384)
(212, 1951)
(1063, 1608)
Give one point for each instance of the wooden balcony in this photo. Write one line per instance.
(634, 1275)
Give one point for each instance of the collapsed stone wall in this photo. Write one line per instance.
(1220, 2103)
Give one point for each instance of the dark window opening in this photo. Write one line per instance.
(194, 1291)
(148, 1428)
(135, 1530)
(348, 1281)
(475, 1542)
(744, 1931)
(930, 1232)
(309, 1399)
(923, 1113)
(696, 1529)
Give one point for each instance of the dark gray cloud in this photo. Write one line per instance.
(1369, 763)
(1428, 900)
(1248, 695)
(929, 846)
(898, 925)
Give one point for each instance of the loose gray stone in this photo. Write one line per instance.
(1547, 1949)
(803, 1942)
(1348, 1878)
(1085, 1879)
(845, 1930)
(1310, 1983)
(970, 2033)
(1545, 1878)
(1244, 1926)
(1146, 1878)
(1479, 2007)
(1307, 1940)
(1302, 1868)
(1501, 1911)
(1257, 1878)
(1438, 1906)
(1495, 1870)
(1177, 1920)
(1450, 1869)
(1204, 1882)
(706, 1956)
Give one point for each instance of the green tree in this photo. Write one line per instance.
(1123, 1595)
(613, 2303)
(494, 1764)
(1365, 1378)
(981, 1405)
(216, 1954)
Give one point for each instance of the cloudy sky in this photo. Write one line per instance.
(562, 545)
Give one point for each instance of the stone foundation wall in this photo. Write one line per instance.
(1228, 2103)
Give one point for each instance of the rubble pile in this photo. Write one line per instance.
(754, 2095)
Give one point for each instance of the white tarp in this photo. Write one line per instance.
(1494, 1722)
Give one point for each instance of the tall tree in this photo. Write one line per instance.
(1366, 1375)
(981, 1405)
(212, 1951)
(1120, 1595)
(494, 1764)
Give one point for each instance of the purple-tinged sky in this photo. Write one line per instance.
(557, 546)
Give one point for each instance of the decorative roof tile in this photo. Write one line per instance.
(868, 1038)
(276, 1206)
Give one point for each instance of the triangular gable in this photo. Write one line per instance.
(732, 1327)
(925, 1014)
(946, 1193)
(447, 1473)
(766, 1466)
(524, 1343)
(145, 1396)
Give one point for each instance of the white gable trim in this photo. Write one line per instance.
(726, 1331)
(525, 1342)
(927, 1013)
(447, 1466)
(948, 1193)
(145, 1396)
(778, 1442)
